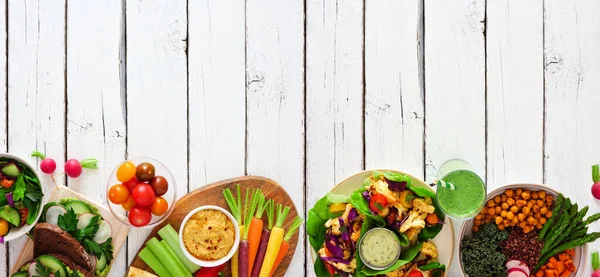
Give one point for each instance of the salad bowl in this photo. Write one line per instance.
(444, 240)
(581, 252)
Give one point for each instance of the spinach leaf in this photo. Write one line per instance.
(406, 256)
(20, 188)
(420, 191)
(430, 232)
(396, 177)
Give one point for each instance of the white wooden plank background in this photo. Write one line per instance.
(304, 92)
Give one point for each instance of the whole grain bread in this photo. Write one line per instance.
(48, 238)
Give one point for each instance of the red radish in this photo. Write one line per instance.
(47, 165)
(595, 264)
(516, 272)
(73, 167)
(518, 264)
(596, 179)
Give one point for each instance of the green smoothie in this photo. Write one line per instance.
(467, 199)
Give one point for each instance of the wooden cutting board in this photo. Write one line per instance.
(213, 195)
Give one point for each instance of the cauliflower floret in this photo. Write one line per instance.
(399, 272)
(414, 220)
(406, 198)
(346, 212)
(350, 268)
(428, 252)
(401, 209)
(413, 234)
(381, 187)
(334, 224)
(420, 206)
(356, 226)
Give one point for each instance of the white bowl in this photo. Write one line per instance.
(218, 262)
(581, 252)
(15, 233)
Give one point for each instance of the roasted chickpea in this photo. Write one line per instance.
(500, 227)
(548, 214)
(526, 210)
(514, 209)
(530, 205)
(510, 201)
(525, 195)
(535, 208)
(539, 226)
(520, 203)
(503, 213)
(514, 221)
(537, 215)
(506, 222)
(534, 195)
(491, 211)
(521, 216)
(543, 210)
(530, 221)
(526, 229)
(542, 194)
(510, 215)
(503, 198)
(498, 209)
(542, 220)
(504, 206)
(475, 229)
(497, 199)
(522, 224)
(491, 203)
(519, 191)
(509, 193)
(539, 203)
(549, 198)
(499, 220)
(478, 217)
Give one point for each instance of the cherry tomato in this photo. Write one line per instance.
(24, 212)
(210, 271)
(145, 172)
(330, 269)
(415, 273)
(131, 184)
(139, 216)
(126, 171)
(3, 228)
(118, 194)
(378, 202)
(130, 203)
(160, 185)
(159, 207)
(143, 195)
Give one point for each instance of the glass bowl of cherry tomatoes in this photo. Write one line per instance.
(141, 192)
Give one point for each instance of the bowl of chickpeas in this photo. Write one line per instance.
(524, 206)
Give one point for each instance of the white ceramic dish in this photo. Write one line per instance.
(218, 262)
(581, 252)
(444, 240)
(15, 233)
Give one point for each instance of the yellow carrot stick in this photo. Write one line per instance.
(275, 241)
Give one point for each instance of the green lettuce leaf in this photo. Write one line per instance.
(430, 232)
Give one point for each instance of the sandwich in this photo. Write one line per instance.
(71, 240)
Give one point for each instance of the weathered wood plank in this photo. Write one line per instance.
(334, 97)
(217, 97)
(36, 84)
(3, 105)
(515, 92)
(572, 79)
(454, 87)
(157, 90)
(95, 118)
(394, 96)
(275, 99)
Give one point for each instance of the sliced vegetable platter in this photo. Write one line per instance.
(441, 233)
(119, 229)
(213, 195)
(528, 220)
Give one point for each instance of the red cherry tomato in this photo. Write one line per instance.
(415, 273)
(139, 216)
(130, 203)
(131, 184)
(159, 207)
(118, 194)
(330, 269)
(143, 195)
(210, 271)
(378, 202)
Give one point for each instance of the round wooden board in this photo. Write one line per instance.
(213, 195)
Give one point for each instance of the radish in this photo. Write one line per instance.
(47, 165)
(595, 265)
(596, 179)
(519, 265)
(52, 214)
(517, 272)
(73, 167)
(104, 232)
(83, 220)
(32, 271)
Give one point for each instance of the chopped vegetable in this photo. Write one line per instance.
(172, 254)
(168, 261)
(559, 265)
(595, 264)
(73, 167)
(255, 232)
(275, 240)
(169, 234)
(153, 262)
(11, 170)
(235, 206)
(264, 239)
(210, 271)
(47, 165)
(250, 209)
(285, 245)
(9, 198)
(596, 179)
(481, 254)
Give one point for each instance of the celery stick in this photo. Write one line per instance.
(152, 261)
(172, 237)
(166, 259)
(172, 254)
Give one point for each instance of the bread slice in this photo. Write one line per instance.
(136, 272)
(48, 238)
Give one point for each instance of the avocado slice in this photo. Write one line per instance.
(53, 264)
(11, 215)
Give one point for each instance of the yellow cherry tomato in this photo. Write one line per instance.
(3, 228)
(126, 171)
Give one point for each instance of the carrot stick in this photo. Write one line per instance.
(264, 239)
(235, 205)
(275, 241)
(250, 208)
(285, 245)
(255, 232)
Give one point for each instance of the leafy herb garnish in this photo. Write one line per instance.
(90, 230)
(99, 249)
(68, 221)
(42, 270)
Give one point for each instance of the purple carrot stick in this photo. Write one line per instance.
(262, 250)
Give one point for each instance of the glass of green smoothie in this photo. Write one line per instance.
(466, 197)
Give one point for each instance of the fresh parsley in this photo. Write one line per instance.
(68, 221)
(42, 270)
(99, 249)
(90, 230)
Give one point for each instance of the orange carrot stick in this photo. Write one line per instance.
(255, 232)
(285, 245)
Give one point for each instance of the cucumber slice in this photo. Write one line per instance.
(11, 215)
(53, 264)
(104, 232)
(101, 263)
(53, 213)
(20, 274)
(79, 207)
(84, 220)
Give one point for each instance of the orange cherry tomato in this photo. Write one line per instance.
(3, 227)
(118, 194)
(126, 171)
(130, 203)
(159, 206)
